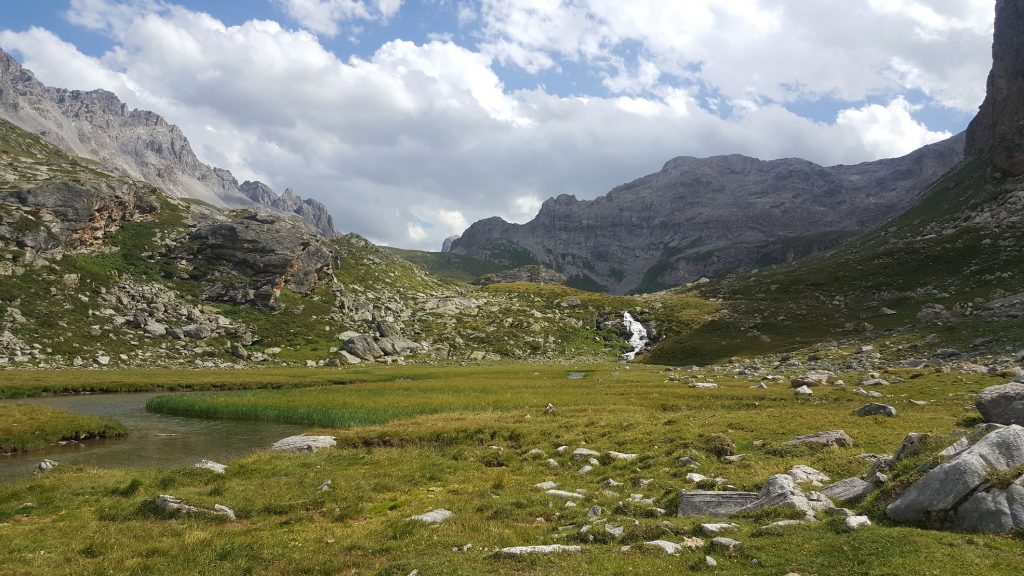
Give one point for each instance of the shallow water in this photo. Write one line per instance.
(154, 440)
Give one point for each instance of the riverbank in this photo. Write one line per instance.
(25, 427)
(490, 441)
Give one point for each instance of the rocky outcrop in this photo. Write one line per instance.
(250, 256)
(534, 274)
(973, 492)
(446, 246)
(709, 217)
(51, 219)
(998, 129)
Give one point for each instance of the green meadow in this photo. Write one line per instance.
(475, 440)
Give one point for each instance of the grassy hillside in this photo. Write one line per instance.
(447, 265)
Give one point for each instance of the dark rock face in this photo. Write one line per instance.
(709, 217)
(998, 129)
(252, 257)
(55, 218)
(535, 274)
(310, 210)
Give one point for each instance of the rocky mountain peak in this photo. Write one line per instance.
(998, 129)
(309, 209)
(258, 192)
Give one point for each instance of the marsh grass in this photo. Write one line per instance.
(26, 427)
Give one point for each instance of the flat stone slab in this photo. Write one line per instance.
(563, 494)
(303, 443)
(830, 438)
(622, 456)
(848, 490)
(712, 503)
(669, 547)
(548, 549)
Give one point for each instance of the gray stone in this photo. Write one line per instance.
(46, 465)
(434, 516)
(668, 547)
(913, 443)
(848, 490)
(875, 409)
(1002, 404)
(857, 522)
(811, 379)
(803, 391)
(936, 498)
(584, 454)
(564, 494)
(212, 466)
(727, 543)
(547, 549)
(805, 474)
(825, 439)
(303, 443)
(712, 503)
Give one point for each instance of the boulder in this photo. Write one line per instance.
(811, 379)
(1002, 404)
(303, 443)
(960, 494)
(363, 347)
(805, 474)
(875, 409)
(803, 391)
(46, 465)
(822, 439)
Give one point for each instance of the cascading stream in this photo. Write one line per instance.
(638, 335)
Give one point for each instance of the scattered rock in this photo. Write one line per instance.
(824, 439)
(621, 456)
(803, 391)
(703, 385)
(669, 547)
(718, 528)
(857, 522)
(563, 494)
(811, 379)
(805, 474)
(875, 409)
(434, 516)
(727, 543)
(548, 485)
(303, 443)
(324, 486)
(584, 453)
(710, 562)
(47, 464)
(547, 549)
(215, 467)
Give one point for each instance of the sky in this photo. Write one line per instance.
(411, 119)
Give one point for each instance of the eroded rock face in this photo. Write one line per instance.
(960, 494)
(310, 210)
(253, 256)
(998, 129)
(705, 217)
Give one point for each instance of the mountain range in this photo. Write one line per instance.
(709, 217)
(98, 126)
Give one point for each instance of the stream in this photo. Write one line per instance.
(153, 441)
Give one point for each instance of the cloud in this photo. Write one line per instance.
(326, 16)
(408, 144)
(756, 50)
(888, 131)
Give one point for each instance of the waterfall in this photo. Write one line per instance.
(638, 335)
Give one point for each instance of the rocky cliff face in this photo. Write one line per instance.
(141, 144)
(709, 217)
(311, 211)
(998, 129)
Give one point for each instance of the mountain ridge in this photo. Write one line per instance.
(708, 217)
(97, 125)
